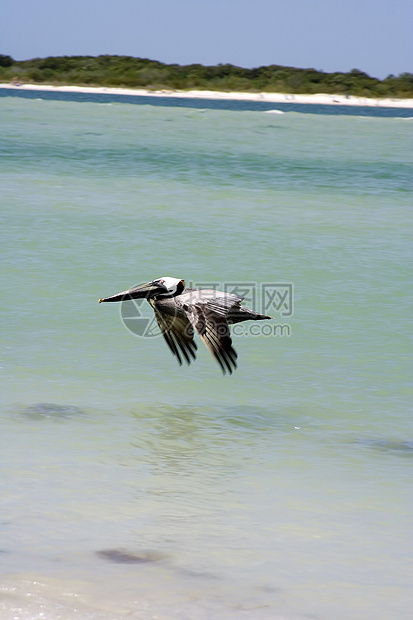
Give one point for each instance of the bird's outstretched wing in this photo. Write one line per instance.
(179, 335)
(206, 311)
(213, 328)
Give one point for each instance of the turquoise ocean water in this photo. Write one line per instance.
(133, 488)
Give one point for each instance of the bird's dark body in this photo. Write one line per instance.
(180, 311)
(235, 312)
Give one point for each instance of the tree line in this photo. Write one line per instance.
(130, 72)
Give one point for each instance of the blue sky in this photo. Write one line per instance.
(331, 35)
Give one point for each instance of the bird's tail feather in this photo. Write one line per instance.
(237, 315)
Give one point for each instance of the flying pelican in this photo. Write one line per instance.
(179, 310)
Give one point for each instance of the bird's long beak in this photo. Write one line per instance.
(139, 292)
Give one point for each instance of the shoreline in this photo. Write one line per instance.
(317, 99)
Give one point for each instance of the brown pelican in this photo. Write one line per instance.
(179, 310)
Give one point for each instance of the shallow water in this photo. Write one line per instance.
(135, 488)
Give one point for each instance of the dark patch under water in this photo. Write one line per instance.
(391, 446)
(121, 556)
(51, 410)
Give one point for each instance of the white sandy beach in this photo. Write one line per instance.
(209, 94)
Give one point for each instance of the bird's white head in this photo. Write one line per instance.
(173, 285)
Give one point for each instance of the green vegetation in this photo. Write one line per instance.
(125, 71)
